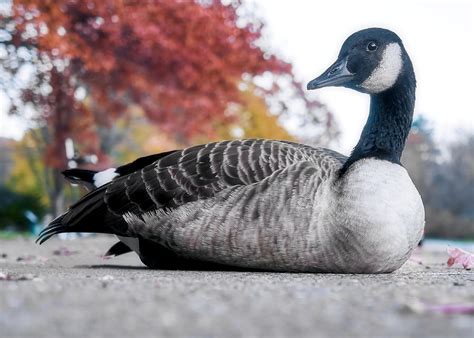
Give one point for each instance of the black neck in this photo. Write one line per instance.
(388, 124)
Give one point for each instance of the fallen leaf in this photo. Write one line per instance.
(460, 256)
(26, 258)
(5, 276)
(451, 308)
(63, 251)
(31, 259)
(419, 308)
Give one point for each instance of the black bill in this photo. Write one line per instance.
(336, 75)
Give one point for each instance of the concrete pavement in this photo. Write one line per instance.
(65, 289)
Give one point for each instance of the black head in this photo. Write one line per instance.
(370, 61)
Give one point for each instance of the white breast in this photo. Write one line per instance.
(381, 213)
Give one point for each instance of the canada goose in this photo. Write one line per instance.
(274, 205)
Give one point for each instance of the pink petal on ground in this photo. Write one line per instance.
(460, 256)
(451, 308)
(4, 276)
(451, 261)
(63, 251)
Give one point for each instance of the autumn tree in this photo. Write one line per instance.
(75, 67)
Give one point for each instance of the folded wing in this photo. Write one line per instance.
(181, 176)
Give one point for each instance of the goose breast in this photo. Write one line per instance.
(380, 215)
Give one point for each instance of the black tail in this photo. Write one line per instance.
(89, 214)
(53, 228)
(81, 176)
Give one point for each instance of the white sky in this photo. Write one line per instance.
(438, 35)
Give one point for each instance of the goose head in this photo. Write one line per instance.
(371, 61)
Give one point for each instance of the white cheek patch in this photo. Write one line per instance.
(104, 177)
(386, 74)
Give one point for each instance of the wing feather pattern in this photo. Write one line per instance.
(182, 176)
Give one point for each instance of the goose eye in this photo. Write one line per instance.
(372, 46)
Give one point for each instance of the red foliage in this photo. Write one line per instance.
(181, 61)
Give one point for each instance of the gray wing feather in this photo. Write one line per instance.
(200, 172)
(265, 224)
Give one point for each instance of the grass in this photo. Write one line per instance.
(7, 234)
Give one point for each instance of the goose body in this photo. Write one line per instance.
(299, 219)
(273, 205)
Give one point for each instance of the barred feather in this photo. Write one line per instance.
(150, 189)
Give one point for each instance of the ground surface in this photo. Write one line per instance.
(65, 288)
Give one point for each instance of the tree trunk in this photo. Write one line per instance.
(56, 193)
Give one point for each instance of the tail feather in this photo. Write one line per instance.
(54, 228)
(87, 205)
(81, 176)
(89, 214)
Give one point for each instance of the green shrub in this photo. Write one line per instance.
(13, 208)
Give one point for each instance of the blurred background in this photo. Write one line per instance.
(98, 83)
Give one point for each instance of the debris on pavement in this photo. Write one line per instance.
(420, 307)
(106, 278)
(460, 256)
(31, 259)
(451, 308)
(64, 251)
(5, 276)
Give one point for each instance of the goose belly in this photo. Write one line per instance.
(379, 214)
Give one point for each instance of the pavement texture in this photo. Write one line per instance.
(65, 289)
